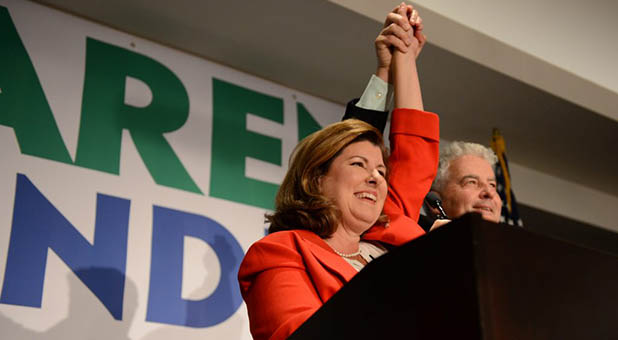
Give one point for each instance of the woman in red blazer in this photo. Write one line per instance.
(334, 211)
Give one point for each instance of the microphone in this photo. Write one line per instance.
(433, 199)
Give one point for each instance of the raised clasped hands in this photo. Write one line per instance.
(403, 32)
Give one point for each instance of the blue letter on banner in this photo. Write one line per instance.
(165, 303)
(38, 225)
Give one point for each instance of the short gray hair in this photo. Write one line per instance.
(457, 149)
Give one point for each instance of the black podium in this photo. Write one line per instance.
(474, 279)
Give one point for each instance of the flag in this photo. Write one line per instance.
(510, 212)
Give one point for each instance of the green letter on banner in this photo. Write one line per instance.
(105, 114)
(306, 124)
(231, 143)
(23, 105)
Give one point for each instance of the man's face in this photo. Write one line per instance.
(471, 187)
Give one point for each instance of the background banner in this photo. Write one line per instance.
(133, 178)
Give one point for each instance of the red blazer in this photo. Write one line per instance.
(288, 275)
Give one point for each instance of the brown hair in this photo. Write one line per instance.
(299, 203)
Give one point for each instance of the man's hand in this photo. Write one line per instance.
(402, 31)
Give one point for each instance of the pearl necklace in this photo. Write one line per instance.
(354, 254)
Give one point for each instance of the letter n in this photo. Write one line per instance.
(38, 225)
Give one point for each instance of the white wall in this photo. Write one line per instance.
(533, 41)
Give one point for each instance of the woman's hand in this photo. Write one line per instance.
(403, 67)
(438, 223)
(419, 39)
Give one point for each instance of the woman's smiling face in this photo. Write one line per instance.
(355, 182)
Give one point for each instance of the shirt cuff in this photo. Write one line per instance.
(378, 95)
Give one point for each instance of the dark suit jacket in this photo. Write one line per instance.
(377, 119)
